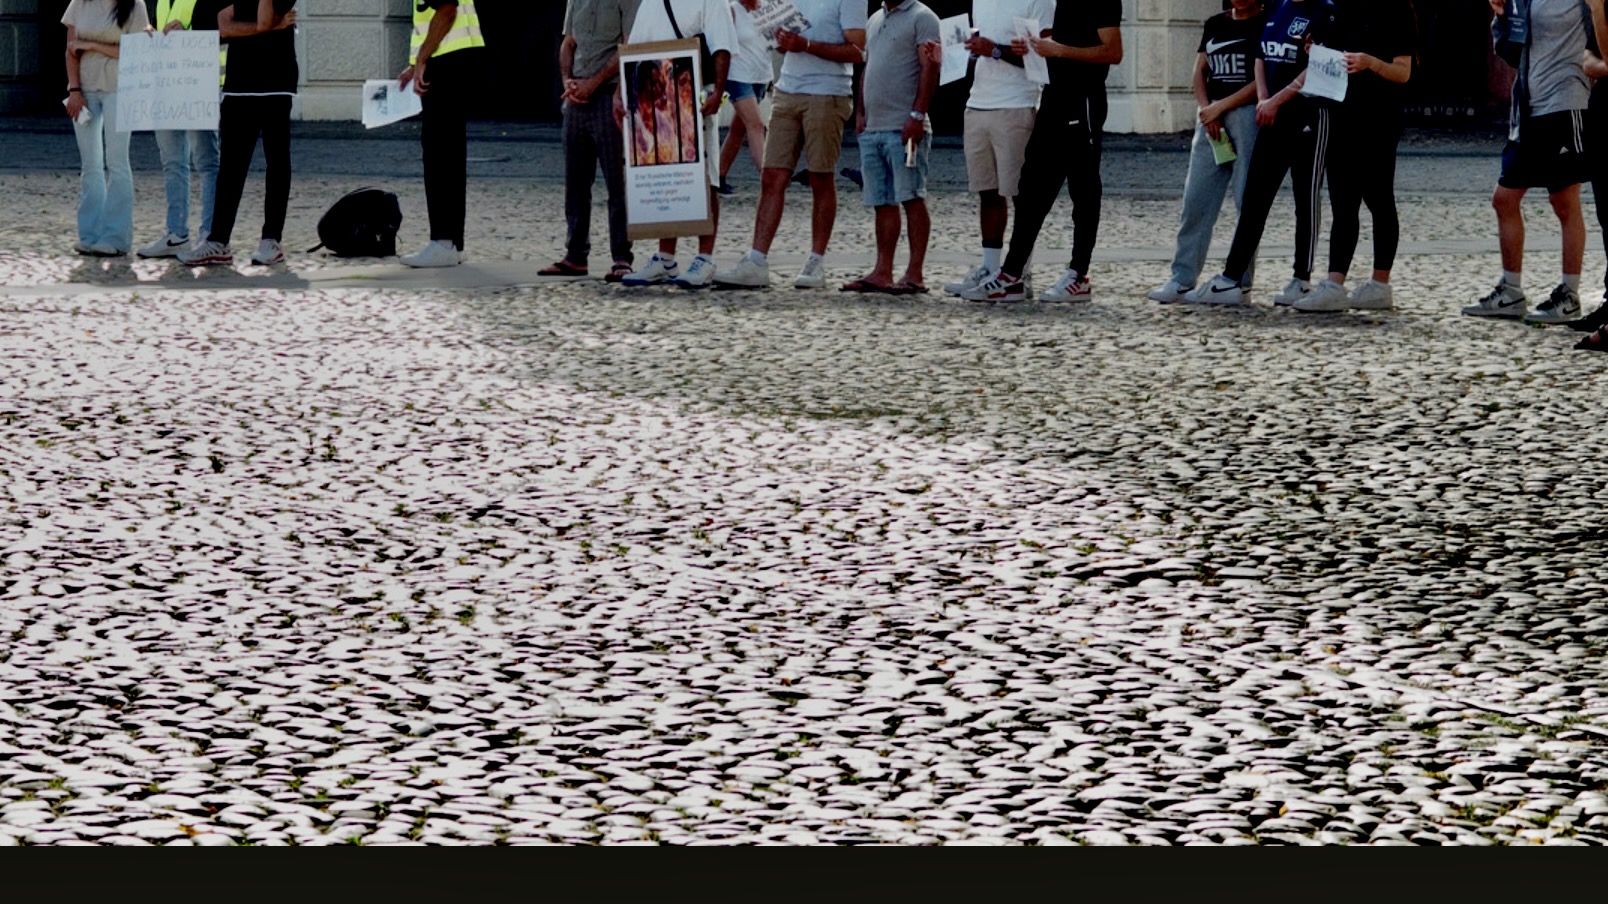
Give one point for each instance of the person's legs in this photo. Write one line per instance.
(823, 121)
(1572, 221)
(754, 127)
(580, 171)
(1084, 186)
(609, 140)
(783, 144)
(1347, 177)
(1379, 193)
(445, 137)
(1242, 128)
(91, 169)
(877, 167)
(117, 224)
(1269, 163)
(1306, 178)
(1507, 202)
(238, 129)
(1204, 189)
(204, 160)
(173, 145)
(910, 188)
(1044, 172)
(276, 152)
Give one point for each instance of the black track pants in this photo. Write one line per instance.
(1296, 143)
(1064, 150)
(241, 122)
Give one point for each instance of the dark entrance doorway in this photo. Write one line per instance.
(522, 41)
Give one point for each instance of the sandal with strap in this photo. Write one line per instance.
(1594, 342)
(562, 268)
(618, 272)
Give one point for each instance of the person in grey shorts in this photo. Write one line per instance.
(588, 62)
(1000, 113)
(1225, 92)
(901, 68)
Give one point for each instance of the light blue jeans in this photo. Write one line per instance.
(179, 148)
(106, 195)
(1204, 190)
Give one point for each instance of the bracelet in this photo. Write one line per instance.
(75, 90)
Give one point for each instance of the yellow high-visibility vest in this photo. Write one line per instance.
(182, 11)
(465, 31)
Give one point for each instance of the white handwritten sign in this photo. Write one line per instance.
(1325, 74)
(774, 14)
(168, 81)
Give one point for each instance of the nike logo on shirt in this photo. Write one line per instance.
(1214, 46)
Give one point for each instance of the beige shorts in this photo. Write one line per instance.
(996, 145)
(807, 124)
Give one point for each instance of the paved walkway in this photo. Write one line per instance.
(343, 553)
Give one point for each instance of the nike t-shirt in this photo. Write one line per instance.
(1230, 47)
(1284, 40)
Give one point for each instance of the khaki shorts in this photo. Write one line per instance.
(810, 124)
(996, 145)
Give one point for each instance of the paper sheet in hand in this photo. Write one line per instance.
(168, 81)
(1325, 74)
(1037, 67)
(386, 101)
(774, 14)
(954, 30)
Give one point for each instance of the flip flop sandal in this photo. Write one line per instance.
(910, 288)
(562, 268)
(867, 288)
(618, 272)
(1594, 342)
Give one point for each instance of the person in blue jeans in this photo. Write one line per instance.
(1225, 90)
(184, 151)
(95, 30)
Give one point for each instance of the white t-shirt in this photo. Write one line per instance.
(996, 84)
(96, 20)
(710, 18)
(752, 63)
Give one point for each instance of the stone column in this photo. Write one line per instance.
(344, 42)
(1150, 91)
(19, 55)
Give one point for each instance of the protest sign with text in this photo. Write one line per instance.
(667, 172)
(168, 81)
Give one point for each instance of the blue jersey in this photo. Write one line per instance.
(1284, 40)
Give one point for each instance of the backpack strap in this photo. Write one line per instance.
(674, 26)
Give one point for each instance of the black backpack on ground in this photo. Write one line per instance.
(362, 224)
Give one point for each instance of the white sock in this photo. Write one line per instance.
(991, 258)
(814, 259)
(1513, 279)
(1572, 280)
(757, 256)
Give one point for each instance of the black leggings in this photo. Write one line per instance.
(1597, 154)
(1296, 143)
(242, 121)
(1064, 150)
(445, 137)
(1362, 170)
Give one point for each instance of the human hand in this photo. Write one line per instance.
(1267, 111)
(405, 78)
(859, 122)
(1044, 47)
(914, 130)
(1498, 7)
(75, 104)
(1359, 62)
(790, 41)
(619, 111)
(980, 46)
(577, 91)
(288, 20)
(711, 104)
(420, 83)
(173, 27)
(931, 53)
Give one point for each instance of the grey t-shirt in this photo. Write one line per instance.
(599, 27)
(806, 73)
(1551, 66)
(893, 40)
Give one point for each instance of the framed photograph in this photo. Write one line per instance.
(668, 153)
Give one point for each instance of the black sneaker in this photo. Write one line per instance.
(853, 175)
(726, 188)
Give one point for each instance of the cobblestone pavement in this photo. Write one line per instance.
(334, 556)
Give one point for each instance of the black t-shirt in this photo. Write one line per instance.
(1284, 40)
(1385, 29)
(1230, 46)
(263, 63)
(1078, 24)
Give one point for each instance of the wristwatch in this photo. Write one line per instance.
(996, 53)
(918, 117)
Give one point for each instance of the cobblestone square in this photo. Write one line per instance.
(338, 553)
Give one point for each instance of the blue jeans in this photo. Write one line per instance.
(179, 148)
(1204, 190)
(882, 167)
(106, 194)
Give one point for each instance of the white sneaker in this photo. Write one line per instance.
(1169, 292)
(1372, 295)
(748, 274)
(700, 273)
(1072, 286)
(656, 272)
(1220, 290)
(974, 277)
(438, 253)
(1294, 291)
(206, 254)
(268, 253)
(813, 276)
(1561, 307)
(99, 249)
(1504, 302)
(167, 246)
(1327, 297)
(999, 290)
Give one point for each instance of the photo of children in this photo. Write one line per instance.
(662, 111)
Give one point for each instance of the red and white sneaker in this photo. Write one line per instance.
(207, 254)
(1072, 286)
(268, 254)
(1001, 289)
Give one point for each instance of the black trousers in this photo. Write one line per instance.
(1362, 170)
(1064, 150)
(1597, 154)
(241, 121)
(592, 140)
(1296, 143)
(445, 137)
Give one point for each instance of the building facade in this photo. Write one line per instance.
(343, 42)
